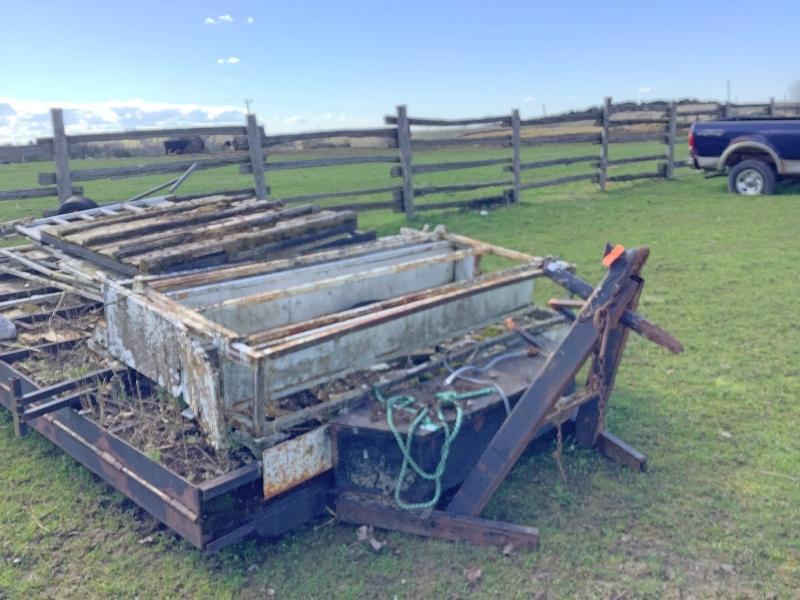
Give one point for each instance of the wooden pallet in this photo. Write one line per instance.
(175, 235)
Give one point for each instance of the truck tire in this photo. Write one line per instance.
(751, 178)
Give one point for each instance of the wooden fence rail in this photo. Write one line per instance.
(606, 125)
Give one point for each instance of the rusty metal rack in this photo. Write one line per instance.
(287, 353)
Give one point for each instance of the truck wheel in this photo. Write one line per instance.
(751, 178)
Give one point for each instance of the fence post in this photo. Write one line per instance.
(516, 126)
(61, 156)
(256, 157)
(603, 170)
(404, 147)
(672, 130)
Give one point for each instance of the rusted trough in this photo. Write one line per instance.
(239, 339)
(293, 354)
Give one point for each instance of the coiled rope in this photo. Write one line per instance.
(443, 399)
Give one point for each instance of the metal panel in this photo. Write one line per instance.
(204, 295)
(296, 461)
(160, 347)
(360, 348)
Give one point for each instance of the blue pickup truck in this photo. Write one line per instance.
(756, 153)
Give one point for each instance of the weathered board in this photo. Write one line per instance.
(171, 235)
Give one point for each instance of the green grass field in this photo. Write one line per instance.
(716, 515)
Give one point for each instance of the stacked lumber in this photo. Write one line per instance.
(200, 232)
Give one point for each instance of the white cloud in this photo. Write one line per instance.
(250, 20)
(24, 120)
(210, 21)
(220, 61)
(225, 18)
(528, 99)
(644, 89)
(232, 60)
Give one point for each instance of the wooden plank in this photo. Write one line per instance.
(638, 137)
(498, 141)
(174, 166)
(615, 449)
(471, 203)
(256, 158)
(453, 166)
(344, 194)
(671, 133)
(35, 193)
(143, 134)
(515, 155)
(84, 231)
(175, 222)
(61, 156)
(378, 132)
(602, 171)
(159, 259)
(627, 122)
(391, 120)
(541, 164)
(435, 524)
(239, 222)
(557, 181)
(631, 160)
(367, 205)
(635, 176)
(152, 212)
(406, 158)
(460, 187)
(320, 162)
(572, 138)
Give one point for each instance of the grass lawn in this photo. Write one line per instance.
(716, 515)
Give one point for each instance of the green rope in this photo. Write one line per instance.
(446, 398)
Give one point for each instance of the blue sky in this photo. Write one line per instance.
(316, 64)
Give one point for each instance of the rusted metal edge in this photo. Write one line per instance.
(165, 495)
(350, 277)
(165, 283)
(272, 430)
(474, 287)
(435, 524)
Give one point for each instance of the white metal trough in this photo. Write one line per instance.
(249, 335)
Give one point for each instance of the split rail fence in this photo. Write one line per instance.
(604, 126)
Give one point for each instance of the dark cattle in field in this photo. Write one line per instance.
(187, 145)
(237, 143)
(240, 143)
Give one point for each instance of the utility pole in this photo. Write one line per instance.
(728, 94)
(247, 103)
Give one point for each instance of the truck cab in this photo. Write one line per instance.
(755, 153)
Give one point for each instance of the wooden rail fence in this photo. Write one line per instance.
(606, 126)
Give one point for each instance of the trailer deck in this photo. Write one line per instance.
(273, 345)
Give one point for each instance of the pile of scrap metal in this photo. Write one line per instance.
(234, 365)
